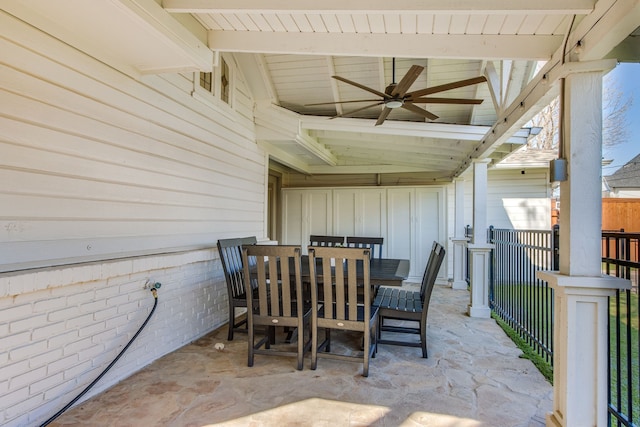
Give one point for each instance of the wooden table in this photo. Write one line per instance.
(382, 271)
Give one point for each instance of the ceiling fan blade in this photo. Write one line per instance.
(358, 85)
(359, 109)
(383, 116)
(448, 86)
(419, 110)
(401, 88)
(444, 101)
(341, 102)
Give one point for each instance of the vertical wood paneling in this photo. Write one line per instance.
(95, 164)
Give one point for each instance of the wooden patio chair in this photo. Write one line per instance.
(374, 244)
(331, 241)
(409, 306)
(279, 299)
(343, 306)
(230, 251)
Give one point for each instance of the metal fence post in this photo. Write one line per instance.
(556, 247)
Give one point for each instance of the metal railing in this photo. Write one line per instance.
(523, 301)
(620, 258)
(526, 304)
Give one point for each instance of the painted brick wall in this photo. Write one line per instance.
(60, 327)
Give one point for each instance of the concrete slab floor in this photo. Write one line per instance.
(473, 377)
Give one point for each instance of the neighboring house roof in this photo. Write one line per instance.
(628, 176)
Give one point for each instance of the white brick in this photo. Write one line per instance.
(91, 352)
(24, 352)
(81, 298)
(9, 370)
(4, 388)
(128, 307)
(128, 287)
(47, 330)
(80, 321)
(105, 314)
(70, 387)
(105, 336)
(94, 306)
(59, 341)
(78, 369)
(25, 406)
(62, 364)
(50, 304)
(76, 346)
(24, 379)
(106, 291)
(28, 323)
(15, 396)
(63, 314)
(15, 340)
(45, 358)
(45, 383)
(82, 274)
(14, 313)
(92, 329)
(117, 300)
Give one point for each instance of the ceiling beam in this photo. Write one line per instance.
(285, 158)
(382, 6)
(453, 46)
(599, 33)
(401, 128)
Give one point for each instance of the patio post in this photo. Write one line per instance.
(581, 291)
(479, 249)
(459, 240)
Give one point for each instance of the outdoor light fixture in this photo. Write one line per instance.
(394, 103)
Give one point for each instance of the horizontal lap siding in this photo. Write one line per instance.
(514, 199)
(96, 164)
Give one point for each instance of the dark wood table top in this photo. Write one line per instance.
(382, 271)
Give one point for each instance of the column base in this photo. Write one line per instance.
(480, 312)
(460, 285)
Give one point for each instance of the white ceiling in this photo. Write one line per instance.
(287, 51)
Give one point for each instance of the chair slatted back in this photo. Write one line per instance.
(330, 241)
(269, 268)
(341, 300)
(230, 251)
(374, 244)
(430, 275)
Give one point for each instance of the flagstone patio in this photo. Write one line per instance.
(474, 376)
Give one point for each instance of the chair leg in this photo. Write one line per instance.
(314, 347)
(232, 320)
(423, 340)
(300, 349)
(367, 352)
(250, 347)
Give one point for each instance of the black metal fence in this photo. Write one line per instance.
(523, 301)
(526, 304)
(620, 258)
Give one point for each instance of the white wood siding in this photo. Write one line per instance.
(95, 164)
(514, 199)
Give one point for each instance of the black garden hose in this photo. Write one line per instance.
(154, 290)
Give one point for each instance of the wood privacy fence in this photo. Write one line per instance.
(621, 214)
(617, 214)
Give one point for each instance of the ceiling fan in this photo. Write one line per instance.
(396, 95)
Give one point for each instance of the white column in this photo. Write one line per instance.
(580, 290)
(459, 240)
(479, 249)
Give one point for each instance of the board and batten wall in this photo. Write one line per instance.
(107, 181)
